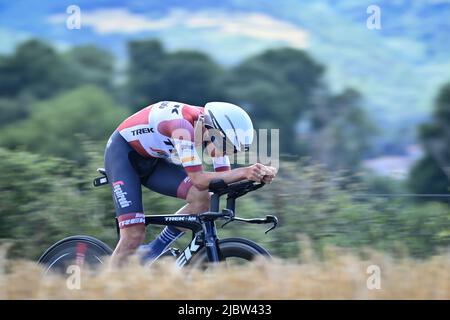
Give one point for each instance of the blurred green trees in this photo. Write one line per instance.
(34, 69)
(277, 87)
(155, 75)
(432, 173)
(311, 201)
(58, 109)
(91, 65)
(144, 72)
(280, 88)
(43, 199)
(341, 131)
(59, 125)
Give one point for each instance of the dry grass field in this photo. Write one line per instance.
(340, 275)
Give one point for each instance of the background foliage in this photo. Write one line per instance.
(58, 109)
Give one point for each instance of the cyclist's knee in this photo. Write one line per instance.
(198, 199)
(132, 237)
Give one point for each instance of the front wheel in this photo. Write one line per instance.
(76, 250)
(233, 251)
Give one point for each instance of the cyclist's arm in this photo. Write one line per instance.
(221, 164)
(201, 179)
(193, 165)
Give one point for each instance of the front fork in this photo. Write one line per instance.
(211, 242)
(208, 239)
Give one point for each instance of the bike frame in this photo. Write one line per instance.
(203, 230)
(204, 234)
(203, 227)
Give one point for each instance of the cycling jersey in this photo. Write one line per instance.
(154, 147)
(166, 130)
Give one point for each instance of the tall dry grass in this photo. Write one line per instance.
(340, 275)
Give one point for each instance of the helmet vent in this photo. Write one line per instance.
(232, 126)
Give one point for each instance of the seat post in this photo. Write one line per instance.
(214, 203)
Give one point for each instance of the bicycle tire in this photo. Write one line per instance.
(240, 248)
(64, 253)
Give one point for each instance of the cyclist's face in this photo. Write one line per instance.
(213, 151)
(221, 145)
(213, 139)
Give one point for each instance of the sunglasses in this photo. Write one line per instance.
(219, 141)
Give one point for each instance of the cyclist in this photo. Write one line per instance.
(157, 147)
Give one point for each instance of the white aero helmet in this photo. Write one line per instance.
(232, 123)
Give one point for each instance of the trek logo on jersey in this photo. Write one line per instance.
(120, 195)
(142, 131)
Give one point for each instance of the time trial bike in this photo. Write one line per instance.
(205, 247)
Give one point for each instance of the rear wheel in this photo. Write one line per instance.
(233, 251)
(77, 250)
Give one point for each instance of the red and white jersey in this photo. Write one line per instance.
(166, 130)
